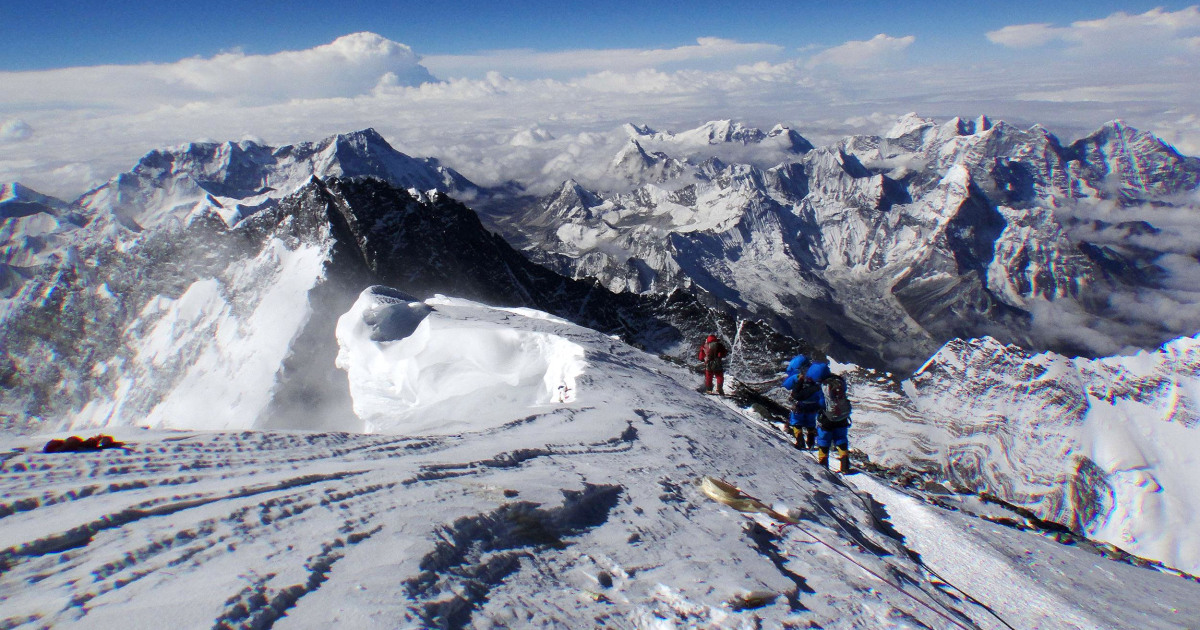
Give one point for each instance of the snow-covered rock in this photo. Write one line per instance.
(865, 242)
(1107, 447)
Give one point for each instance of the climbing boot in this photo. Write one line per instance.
(798, 437)
(811, 437)
(844, 460)
(823, 457)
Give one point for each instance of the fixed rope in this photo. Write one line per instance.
(920, 562)
(729, 494)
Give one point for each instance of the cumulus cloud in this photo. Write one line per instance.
(15, 129)
(1025, 35)
(95, 122)
(1156, 30)
(351, 65)
(855, 54)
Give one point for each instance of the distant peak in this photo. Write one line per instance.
(907, 124)
(369, 134)
(798, 143)
(16, 192)
(637, 130)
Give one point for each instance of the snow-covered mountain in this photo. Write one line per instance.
(201, 324)
(221, 289)
(1106, 447)
(883, 248)
(173, 186)
(533, 473)
(34, 230)
(237, 179)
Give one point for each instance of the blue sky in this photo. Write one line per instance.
(54, 34)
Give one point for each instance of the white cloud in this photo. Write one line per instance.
(708, 50)
(1154, 31)
(878, 49)
(1025, 35)
(15, 129)
(351, 65)
(95, 122)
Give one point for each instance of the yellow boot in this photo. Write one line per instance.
(823, 456)
(843, 460)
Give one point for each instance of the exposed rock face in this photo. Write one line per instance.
(219, 324)
(1097, 445)
(884, 248)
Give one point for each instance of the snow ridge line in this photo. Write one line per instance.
(82, 535)
(915, 557)
(866, 545)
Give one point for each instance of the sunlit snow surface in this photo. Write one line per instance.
(1109, 446)
(473, 508)
(424, 367)
(215, 350)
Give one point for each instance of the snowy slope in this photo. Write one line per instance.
(530, 509)
(1107, 447)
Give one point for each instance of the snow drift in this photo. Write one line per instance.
(447, 365)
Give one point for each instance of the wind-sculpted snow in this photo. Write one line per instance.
(578, 512)
(445, 358)
(1106, 447)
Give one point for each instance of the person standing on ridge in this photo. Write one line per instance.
(833, 426)
(803, 384)
(712, 353)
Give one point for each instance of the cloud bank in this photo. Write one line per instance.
(351, 65)
(64, 130)
(1153, 32)
(706, 52)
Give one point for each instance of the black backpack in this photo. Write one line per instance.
(802, 395)
(837, 402)
(714, 353)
